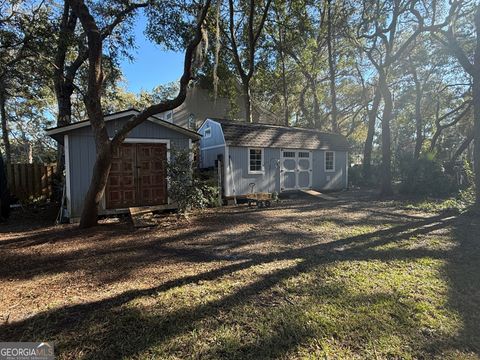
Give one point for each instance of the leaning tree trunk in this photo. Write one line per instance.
(101, 170)
(367, 150)
(5, 131)
(386, 185)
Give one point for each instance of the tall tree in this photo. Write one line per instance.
(71, 52)
(466, 49)
(104, 145)
(388, 34)
(244, 48)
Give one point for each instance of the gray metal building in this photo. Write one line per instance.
(274, 158)
(138, 173)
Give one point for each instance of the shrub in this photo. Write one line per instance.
(185, 188)
(425, 177)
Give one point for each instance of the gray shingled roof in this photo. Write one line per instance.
(273, 136)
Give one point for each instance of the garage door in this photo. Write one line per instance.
(296, 169)
(137, 176)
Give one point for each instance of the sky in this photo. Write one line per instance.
(152, 65)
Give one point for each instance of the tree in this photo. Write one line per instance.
(243, 50)
(388, 36)
(21, 26)
(71, 52)
(467, 52)
(105, 146)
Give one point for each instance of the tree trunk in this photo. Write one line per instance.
(331, 67)
(284, 85)
(5, 130)
(476, 132)
(247, 101)
(97, 186)
(418, 116)
(367, 150)
(386, 185)
(64, 117)
(476, 109)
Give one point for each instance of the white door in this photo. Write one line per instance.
(296, 169)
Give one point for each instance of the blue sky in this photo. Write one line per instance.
(152, 65)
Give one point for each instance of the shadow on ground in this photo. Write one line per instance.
(280, 275)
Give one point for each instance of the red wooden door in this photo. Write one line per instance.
(151, 175)
(121, 189)
(137, 176)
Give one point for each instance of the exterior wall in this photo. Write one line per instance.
(201, 105)
(239, 178)
(335, 180)
(81, 149)
(212, 146)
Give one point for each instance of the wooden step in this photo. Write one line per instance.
(318, 194)
(142, 216)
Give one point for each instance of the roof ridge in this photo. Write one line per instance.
(247, 124)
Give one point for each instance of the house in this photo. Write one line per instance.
(200, 104)
(274, 158)
(138, 174)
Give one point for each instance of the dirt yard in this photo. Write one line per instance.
(350, 278)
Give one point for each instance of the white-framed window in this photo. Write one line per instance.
(207, 132)
(304, 154)
(329, 161)
(289, 154)
(255, 161)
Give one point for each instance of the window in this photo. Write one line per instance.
(329, 161)
(303, 154)
(255, 161)
(207, 132)
(289, 154)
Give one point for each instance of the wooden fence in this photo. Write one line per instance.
(30, 182)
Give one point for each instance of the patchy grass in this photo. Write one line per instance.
(304, 280)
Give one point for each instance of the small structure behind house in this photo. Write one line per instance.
(273, 158)
(138, 174)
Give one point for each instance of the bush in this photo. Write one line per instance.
(355, 175)
(185, 188)
(425, 177)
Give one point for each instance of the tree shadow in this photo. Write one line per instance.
(111, 327)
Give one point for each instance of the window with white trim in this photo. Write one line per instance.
(329, 160)
(255, 161)
(207, 132)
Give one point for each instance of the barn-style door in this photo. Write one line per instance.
(295, 169)
(137, 176)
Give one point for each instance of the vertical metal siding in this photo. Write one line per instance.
(240, 179)
(335, 180)
(212, 146)
(82, 154)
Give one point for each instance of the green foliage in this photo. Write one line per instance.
(186, 189)
(424, 177)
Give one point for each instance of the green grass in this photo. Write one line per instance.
(391, 290)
